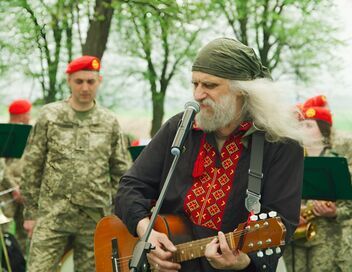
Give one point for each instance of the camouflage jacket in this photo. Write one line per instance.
(11, 179)
(69, 158)
(2, 167)
(12, 173)
(343, 146)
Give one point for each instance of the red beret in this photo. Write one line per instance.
(89, 63)
(20, 106)
(316, 101)
(318, 113)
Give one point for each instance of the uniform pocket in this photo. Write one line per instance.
(100, 142)
(61, 139)
(61, 135)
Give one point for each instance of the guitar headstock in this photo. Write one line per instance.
(266, 233)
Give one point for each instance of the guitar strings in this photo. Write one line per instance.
(227, 235)
(126, 259)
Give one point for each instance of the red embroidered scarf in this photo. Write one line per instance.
(206, 200)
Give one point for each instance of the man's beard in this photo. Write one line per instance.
(220, 115)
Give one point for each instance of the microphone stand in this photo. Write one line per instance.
(139, 256)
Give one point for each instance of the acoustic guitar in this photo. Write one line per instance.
(248, 237)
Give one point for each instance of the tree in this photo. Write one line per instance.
(49, 33)
(99, 28)
(48, 38)
(161, 34)
(282, 31)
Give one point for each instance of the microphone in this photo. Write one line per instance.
(191, 108)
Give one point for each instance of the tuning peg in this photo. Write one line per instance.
(263, 216)
(272, 214)
(253, 217)
(278, 250)
(269, 252)
(260, 254)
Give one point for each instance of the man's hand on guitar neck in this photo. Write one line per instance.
(159, 258)
(228, 259)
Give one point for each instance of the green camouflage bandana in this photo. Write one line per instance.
(228, 58)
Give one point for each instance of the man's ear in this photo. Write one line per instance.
(68, 80)
(100, 78)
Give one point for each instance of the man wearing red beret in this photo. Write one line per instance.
(19, 111)
(73, 163)
(326, 251)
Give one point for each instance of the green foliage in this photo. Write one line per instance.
(158, 38)
(289, 35)
(11, 39)
(42, 39)
(162, 34)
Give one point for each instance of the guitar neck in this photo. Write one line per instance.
(254, 236)
(195, 249)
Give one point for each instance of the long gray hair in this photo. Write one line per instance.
(262, 104)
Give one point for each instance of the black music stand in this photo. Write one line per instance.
(13, 139)
(326, 178)
(135, 151)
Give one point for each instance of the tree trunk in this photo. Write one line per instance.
(52, 91)
(99, 27)
(158, 112)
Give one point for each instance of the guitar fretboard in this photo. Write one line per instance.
(195, 249)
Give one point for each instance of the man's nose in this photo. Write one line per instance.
(85, 86)
(199, 94)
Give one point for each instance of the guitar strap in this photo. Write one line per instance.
(255, 173)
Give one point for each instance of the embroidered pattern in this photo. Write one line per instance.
(206, 200)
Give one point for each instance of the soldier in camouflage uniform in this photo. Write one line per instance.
(343, 146)
(19, 111)
(322, 252)
(2, 166)
(73, 162)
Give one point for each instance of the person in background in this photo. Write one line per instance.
(19, 113)
(343, 146)
(2, 166)
(237, 98)
(322, 252)
(72, 166)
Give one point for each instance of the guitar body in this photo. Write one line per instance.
(111, 227)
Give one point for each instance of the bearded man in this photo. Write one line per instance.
(210, 182)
